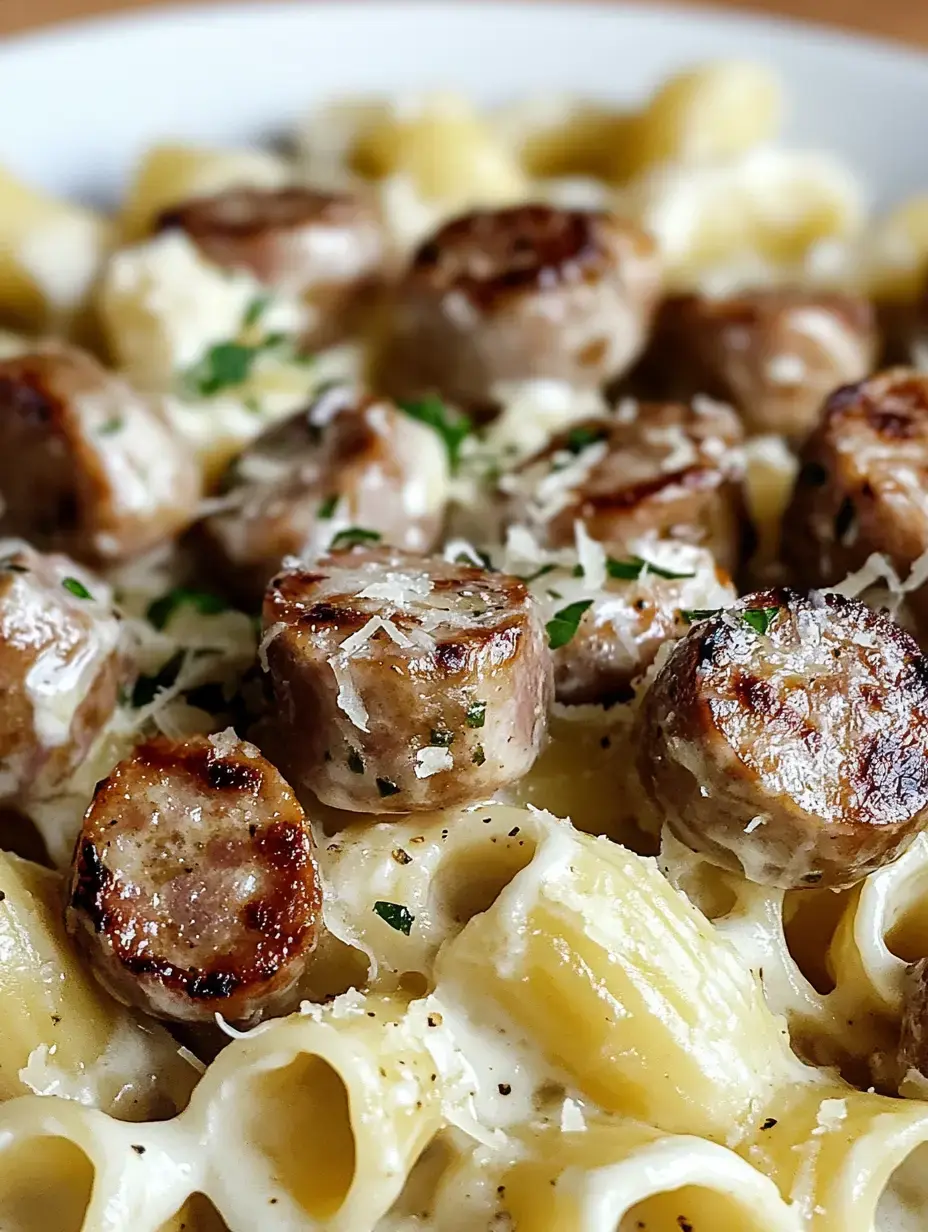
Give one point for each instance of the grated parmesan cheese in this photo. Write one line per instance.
(349, 699)
(274, 631)
(354, 643)
(432, 760)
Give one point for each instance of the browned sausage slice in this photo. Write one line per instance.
(788, 737)
(194, 887)
(326, 246)
(527, 292)
(87, 465)
(60, 666)
(863, 484)
(659, 470)
(405, 682)
(347, 461)
(774, 354)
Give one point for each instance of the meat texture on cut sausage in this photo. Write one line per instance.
(61, 666)
(775, 353)
(88, 466)
(651, 470)
(349, 460)
(194, 888)
(515, 294)
(862, 487)
(326, 247)
(787, 737)
(402, 682)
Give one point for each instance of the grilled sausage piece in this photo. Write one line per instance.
(404, 682)
(863, 484)
(194, 887)
(514, 294)
(774, 354)
(87, 465)
(347, 461)
(659, 470)
(327, 247)
(913, 1039)
(788, 738)
(60, 666)
(638, 610)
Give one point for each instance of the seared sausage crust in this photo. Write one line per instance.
(520, 293)
(87, 465)
(658, 470)
(775, 354)
(798, 755)
(326, 246)
(405, 683)
(348, 460)
(60, 667)
(863, 484)
(194, 887)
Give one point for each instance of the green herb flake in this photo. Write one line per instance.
(353, 536)
(224, 365)
(453, 427)
(692, 614)
(396, 915)
(110, 427)
(564, 624)
(255, 311)
(327, 507)
(543, 571)
(579, 439)
(148, 687)
(479, 756)
(476, 714)
(76, 588)
(161, 610)
(387, 787)
(355, 762)
(252, 405)
(441, 738)
(634, 566)
(759, 618)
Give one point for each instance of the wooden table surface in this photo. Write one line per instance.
(906, 20)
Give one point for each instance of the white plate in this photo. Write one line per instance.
(78, 103)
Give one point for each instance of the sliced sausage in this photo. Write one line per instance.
(775, 354)
(194, 888)
(787, 738)
(638, 608)
(913, 1039)
(347, 461)
(863, 484)
(659, 470)
(517, 294)
(327, 247)
(405, 682)
(87, 465)
(60, 666)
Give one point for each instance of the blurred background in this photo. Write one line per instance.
(905, 20)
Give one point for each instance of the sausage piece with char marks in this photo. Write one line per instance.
(775, 354)
(87, 465)
(787, 737)
(863, 485)
(347, 461)
(326, 247)
(404, 683)
(518, 294)
(194, 888)
(652, 470)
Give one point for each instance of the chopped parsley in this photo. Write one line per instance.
(255, 311)
(147, 687)
(451, 426)
(224, 365)
(582, 438)
(479, 756)
(353, 536)
(355, 762)
(161, 610)
(76, 588)
(396, 915)
(387, 787)
(327, 507)
(476, 714)
(634, 566)
(441, 738)
(564, 624)
(112, 425)
(760, 618)
(543, 571)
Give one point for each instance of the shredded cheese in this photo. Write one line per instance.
(432, 760)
